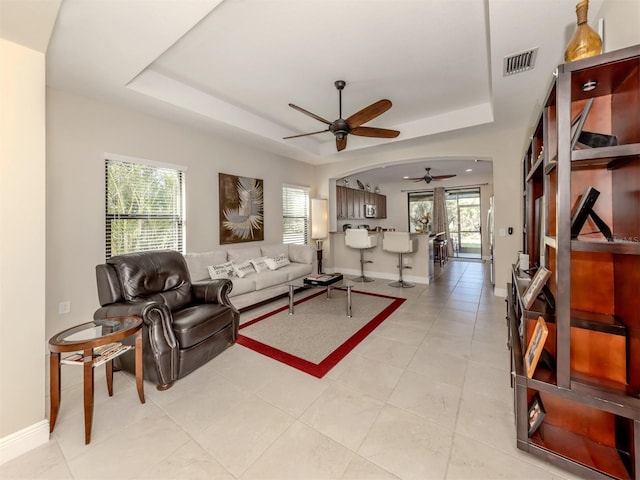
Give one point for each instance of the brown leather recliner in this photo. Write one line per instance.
(185, 324)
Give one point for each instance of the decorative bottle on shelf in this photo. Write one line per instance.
(585, 41)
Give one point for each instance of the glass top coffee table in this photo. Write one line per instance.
(341, 284)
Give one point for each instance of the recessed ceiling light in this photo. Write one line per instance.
(405, 177)
(469, 170)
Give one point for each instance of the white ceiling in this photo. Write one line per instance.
(233, 66)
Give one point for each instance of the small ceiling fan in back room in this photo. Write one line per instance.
(428, 177)
(353, 124)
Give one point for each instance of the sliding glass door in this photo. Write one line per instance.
(465, 222)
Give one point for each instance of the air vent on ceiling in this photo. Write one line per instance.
(519, 62)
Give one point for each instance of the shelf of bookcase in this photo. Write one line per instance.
(622, 247)
(550, 167)
(604, 395)
(535, 169)
(550, 241)
(560, 442)
(598, 322)
(611, 157)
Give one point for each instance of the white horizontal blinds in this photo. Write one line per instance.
(295, 214)
(144, 207)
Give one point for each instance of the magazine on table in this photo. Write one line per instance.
(101, 354)
(322, 278)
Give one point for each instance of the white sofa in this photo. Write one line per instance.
(255, 287)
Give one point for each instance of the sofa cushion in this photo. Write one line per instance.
(239, 255)
(243, 285)
(224, 270)
(301, 253)
(242, 269)
(194, 324)
(198, 262)
(296, 270)
(269, 279)
(273, 251)
(259, 264)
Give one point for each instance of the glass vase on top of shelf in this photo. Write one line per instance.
(582, 224)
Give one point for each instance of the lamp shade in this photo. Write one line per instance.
(319, 219)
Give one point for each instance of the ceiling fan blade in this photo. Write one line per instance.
(341, 144)
(369, 113)
(415, 179)
(375, 132)
(312, 115)
(441, 177)
(305, 134)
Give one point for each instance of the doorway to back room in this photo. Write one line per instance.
(465, 222)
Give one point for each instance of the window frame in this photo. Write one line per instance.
(289, 239)
(179, 217)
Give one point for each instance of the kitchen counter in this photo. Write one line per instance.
(340, 258)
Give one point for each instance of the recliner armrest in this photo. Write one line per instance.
(212, 291)
(121, 310)
(159, 340)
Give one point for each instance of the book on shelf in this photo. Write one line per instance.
(101, 354)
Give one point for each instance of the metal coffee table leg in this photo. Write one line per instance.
(291, 290)
(349, 301)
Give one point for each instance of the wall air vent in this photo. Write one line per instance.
(519, 62)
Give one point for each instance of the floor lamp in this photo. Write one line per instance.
(319, 226)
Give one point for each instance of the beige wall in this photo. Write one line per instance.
(621, 23)
(22, 238)
(79, 132)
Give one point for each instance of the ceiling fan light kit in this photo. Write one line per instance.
(352, 125)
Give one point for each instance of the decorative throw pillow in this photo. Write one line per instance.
(282, 260)
(259, 264)
(224, 270)
(241, 269)
(271, 263)
(277, 262)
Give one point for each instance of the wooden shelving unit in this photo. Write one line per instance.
(589, 383)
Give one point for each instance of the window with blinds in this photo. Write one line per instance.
(295, 214)
(144, 208)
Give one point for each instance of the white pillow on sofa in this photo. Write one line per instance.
(259, 264)
(277, 262)
(224, 270)
(241, 269)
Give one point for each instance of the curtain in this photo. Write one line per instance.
(440, 221)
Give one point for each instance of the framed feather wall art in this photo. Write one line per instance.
(241, 204)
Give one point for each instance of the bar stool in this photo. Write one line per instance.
(360, 239)
(400, 243)
(440, 250)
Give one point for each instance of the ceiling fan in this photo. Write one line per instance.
(428, 177)
(341, 127)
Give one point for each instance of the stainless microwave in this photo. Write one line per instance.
(370, 211)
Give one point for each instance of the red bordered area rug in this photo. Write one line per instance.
(319, 334)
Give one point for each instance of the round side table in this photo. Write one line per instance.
(85, 338)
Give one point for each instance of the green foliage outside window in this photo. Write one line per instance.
(144, 208)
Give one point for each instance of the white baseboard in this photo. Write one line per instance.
(22, 441)
(500, 292)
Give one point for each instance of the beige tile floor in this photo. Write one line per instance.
(425, 396)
